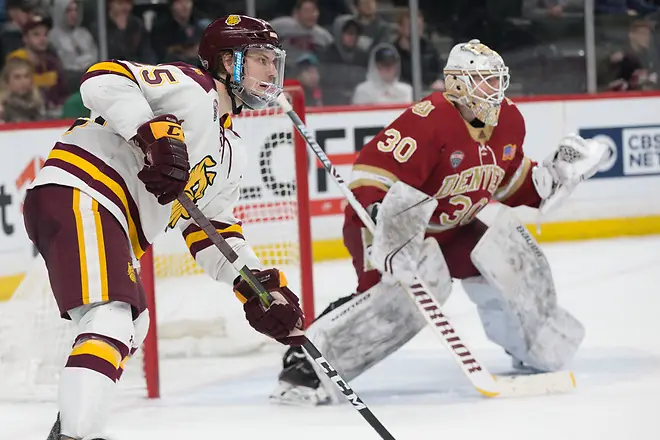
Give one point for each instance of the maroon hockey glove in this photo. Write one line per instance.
(283, 320)
(166, 169)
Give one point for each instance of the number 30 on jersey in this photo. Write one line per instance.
(401, 148)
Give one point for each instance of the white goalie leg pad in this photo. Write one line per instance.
(518, 304)
(85, 395)
(401, 223)
(365, 330)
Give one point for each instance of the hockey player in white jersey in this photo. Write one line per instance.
(108, 190)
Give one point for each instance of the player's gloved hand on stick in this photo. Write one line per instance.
(166, 169)
(283, 320)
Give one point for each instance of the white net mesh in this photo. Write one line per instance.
(196, 316)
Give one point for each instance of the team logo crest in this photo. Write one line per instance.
(233, 20)
(200, 179)
(456, 158)
(509, 152)
(131, 272)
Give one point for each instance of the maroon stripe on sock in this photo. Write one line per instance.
(93, 363)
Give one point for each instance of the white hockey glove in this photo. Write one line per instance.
(576, 159)
(401, 221)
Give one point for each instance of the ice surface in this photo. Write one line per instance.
(613, 286)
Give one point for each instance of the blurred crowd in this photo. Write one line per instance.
(343, 52)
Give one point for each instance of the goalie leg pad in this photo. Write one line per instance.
(365, 330)
(87, 383)
(516, 298)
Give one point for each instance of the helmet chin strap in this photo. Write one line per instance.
(226, 81)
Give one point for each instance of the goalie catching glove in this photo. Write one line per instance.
(576, 159)
(166, 170)
(283, 319)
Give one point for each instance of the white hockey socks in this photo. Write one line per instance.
(87, 383)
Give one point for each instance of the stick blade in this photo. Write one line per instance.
(536, 384)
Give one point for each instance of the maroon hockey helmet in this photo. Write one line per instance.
(245, 37)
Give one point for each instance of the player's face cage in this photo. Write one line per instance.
(258, 75)
(481, 90)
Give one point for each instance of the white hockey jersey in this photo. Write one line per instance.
(97, 156)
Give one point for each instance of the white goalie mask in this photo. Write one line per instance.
(477, 77)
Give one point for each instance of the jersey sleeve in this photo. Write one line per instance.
(218, 205)
(401, 151)
(517, 187)
(113, 90)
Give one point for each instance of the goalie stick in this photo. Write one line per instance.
(228, 252)
(484, 382)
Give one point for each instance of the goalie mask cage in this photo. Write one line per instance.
(191, 314)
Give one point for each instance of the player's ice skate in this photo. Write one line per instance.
(298, 382)
(56, 433)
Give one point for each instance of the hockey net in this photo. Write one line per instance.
(195, 316)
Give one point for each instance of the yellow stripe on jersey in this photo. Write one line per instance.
(368, 182)
(113, 186)
(376, 170)
(84, 278)
(112, 67)
(509, 188)
(198, 236)
(368, 175)
(100, 242)
(99, 349)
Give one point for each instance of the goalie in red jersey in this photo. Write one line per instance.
(464, 148)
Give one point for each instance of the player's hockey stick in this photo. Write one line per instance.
(228, 252)
(486, 383)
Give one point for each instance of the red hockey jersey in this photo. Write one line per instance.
(432, 148)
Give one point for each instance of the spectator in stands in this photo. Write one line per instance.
(375, 30)
(344, 63)
(382, 85)
(20, 99)
(636, 66)
(430, 59)
(11, 35)
(48, 71)
(176, 30)
(300, 32)
(331, 9)
(543, 9)
(186, 50)
(74, 44)
(625, 7)
(307, 74)
(345, 50)
(127, 37)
